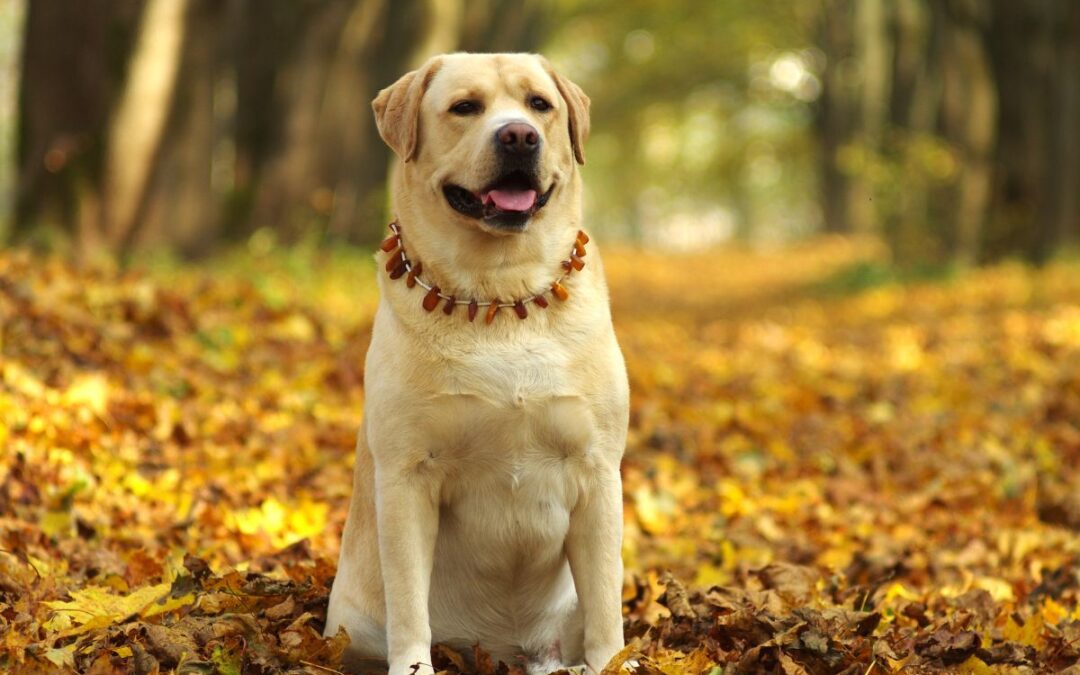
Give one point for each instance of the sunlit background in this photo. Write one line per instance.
(946, 129)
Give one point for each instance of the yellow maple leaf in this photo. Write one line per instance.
(1052, 612)
(62, 657)
(91, 391)
(96, 607)
(1031, 633)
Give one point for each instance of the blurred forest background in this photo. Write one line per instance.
(948, 129)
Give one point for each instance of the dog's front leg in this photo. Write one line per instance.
(594, 549)
(408, 519)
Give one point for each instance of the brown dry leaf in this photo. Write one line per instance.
(169, 645)
(482, 661)
(795, 583)
(789, 666)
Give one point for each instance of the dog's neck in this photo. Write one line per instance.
(469, 264)
(400, 264)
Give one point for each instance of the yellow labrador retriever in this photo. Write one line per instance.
(487, 501)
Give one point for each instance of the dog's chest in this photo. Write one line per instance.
(511, 375)
(512, 403)
(510, 434)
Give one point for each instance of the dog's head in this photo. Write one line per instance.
(488, 138)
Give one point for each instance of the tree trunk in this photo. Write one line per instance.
(1059, 218)
(182, 207)
(1068, 129)
(294, 195)
(913, 113)
(1029, 44)
(138, 122)
(835, 113)
(309, 159)
(347, 127)
(73, 63)
(969, 119)
(504, 25)
(874, 51)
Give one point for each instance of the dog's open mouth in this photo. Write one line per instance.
(507, 202)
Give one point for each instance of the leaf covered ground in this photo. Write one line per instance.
(815, 482)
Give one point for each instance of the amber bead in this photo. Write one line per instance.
(493, 309)
(399, 269)
(390, 243)
(582, 238)
(410, 280)
(559, 291)
(449, 306)
(392, 259)
(473, 309)
(431, 300)
(577, 262)
(567, 266)
(541, 300)
(519, 309)
(579, 248)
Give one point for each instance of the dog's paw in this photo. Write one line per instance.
(413, 666)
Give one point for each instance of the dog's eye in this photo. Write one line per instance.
(465, 108)
(539, 103)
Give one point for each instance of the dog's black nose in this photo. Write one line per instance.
(517, 138)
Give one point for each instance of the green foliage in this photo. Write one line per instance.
(690, 119)
(869, 274)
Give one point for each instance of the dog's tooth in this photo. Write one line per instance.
(431, 300)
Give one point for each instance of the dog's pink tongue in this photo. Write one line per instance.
(512, 200)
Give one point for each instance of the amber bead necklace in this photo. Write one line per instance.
(399, 265)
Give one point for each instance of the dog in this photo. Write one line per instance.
(487, 498)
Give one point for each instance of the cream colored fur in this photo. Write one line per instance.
(487, 502)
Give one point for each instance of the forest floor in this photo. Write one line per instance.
(818, 479)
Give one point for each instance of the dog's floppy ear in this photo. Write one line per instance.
(397, 110)
(577, 104)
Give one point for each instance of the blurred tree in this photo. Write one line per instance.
(314, 103)
(75, 56)
(180, 207)
(692, 122)
(835, 120)
(969, 119)
(1035, 50)
(979, 157)
(138, 121)
(950, 128)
